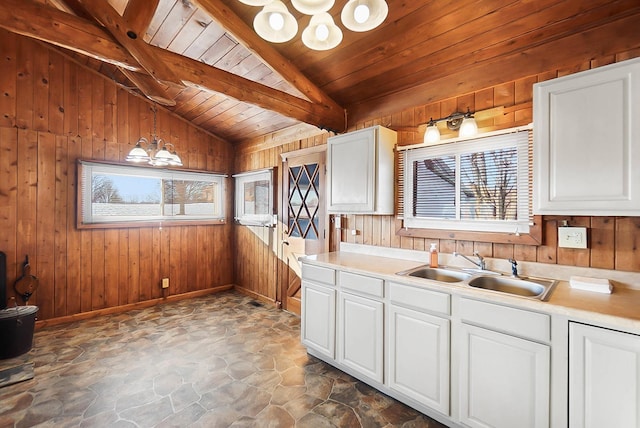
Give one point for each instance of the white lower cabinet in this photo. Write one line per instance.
(504, 380)
(318, 323)
(419, 357)
(360, 335)
(604, 378)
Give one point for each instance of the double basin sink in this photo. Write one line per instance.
(534, 288)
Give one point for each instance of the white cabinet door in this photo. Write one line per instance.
(360, 170)
(360, 335)
(604, 378)
(318, 324)
(504, 380)
(587, 142)
(419, 357)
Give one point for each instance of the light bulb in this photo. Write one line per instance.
(276, 21)
(322, 32)
(361, 13)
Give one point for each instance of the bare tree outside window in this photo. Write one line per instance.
(488, 184)
(103, 190)
(185, 192)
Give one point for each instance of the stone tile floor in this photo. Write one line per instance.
(215, 361)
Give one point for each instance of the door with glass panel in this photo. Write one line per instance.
(304, 218)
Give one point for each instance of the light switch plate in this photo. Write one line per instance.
(572, 237)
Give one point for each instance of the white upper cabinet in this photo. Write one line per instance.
(587, 142)
(360, 171)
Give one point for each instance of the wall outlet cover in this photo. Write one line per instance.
(572, 237)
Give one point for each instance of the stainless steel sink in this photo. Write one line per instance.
(536, 288)
(437, 274)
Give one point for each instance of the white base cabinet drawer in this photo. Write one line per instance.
(420, 298)
(519, 322)
(319, 274)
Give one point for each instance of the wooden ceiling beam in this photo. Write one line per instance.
(263, 50)
(115, 24)
(31, 19)
(138, 14)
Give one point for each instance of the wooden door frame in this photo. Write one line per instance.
(282, 285)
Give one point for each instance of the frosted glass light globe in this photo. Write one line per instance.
(322, 32)
(276, 21)
(361, 13)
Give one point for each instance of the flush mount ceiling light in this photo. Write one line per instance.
(364, 15)
(156, 152)
(322, 33)
(312, 7)
(275, 23)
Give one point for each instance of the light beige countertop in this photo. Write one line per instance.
(620, 309)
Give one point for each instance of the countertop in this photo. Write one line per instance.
(620, 309)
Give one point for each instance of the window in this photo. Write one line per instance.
(254, 198)
(475, 185)
(110, 194)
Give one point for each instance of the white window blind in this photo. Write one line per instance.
(113, 193)
(482, 184)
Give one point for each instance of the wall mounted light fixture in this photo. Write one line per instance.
(464, 123)
(154, 152)
(276, 24)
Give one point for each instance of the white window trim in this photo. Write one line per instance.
(485, 142)
(86, 218)
(241, 216)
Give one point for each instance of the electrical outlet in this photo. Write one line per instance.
(572, 237)
(338, 222)
(165, 282)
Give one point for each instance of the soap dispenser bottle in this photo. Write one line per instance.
(433, 252)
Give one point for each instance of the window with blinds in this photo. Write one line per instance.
(476, 185)
(112, 194)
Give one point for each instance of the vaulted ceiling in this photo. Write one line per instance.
(202, 60)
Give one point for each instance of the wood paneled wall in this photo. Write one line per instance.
(52, 112)
(257, 266)
(614, 242)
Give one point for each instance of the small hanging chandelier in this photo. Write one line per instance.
(156, 152)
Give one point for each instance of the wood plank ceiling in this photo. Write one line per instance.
(202, 60)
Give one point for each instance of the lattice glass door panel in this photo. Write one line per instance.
(303, 201)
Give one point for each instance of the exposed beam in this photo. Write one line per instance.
(270, 56)
(54, 26)
(201, 76)
(139, 13)
(115, 24)
(37, 21)
(150, 87)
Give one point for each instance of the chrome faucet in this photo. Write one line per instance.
(514, 268)
(480, 263)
